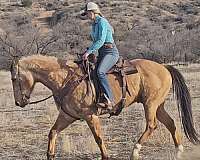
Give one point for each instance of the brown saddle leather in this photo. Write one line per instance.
(124, 65)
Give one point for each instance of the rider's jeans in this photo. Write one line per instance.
(107, 58)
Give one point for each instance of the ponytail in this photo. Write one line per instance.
(98, 12)
(101, 14)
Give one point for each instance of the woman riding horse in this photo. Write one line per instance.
(102, 35)
(150, 86)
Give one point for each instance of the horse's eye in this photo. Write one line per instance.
(13, 78)
(20, 78)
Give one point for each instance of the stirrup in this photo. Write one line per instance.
(105, 105)
(107, 108)
(113, 113)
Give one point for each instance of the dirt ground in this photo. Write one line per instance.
(23, 132)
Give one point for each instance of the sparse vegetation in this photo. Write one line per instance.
(26, 3)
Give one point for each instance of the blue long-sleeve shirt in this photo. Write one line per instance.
(101, 33)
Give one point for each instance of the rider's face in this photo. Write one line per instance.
(90, 15)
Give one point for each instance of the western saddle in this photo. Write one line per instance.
(122, 68)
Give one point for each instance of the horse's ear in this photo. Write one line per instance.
(14, 63)
(11, 66)
(15, 60)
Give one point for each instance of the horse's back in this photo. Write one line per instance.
(155, 78)
(149, 67)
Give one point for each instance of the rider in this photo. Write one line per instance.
(103, 42)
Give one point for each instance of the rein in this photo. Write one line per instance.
(35, 102)
(68, 88)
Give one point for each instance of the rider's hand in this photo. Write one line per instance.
(85, 55)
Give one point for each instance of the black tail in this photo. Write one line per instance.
(183, 98)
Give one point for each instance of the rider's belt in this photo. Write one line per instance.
(108, 45)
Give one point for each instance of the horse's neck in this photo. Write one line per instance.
(52, 80)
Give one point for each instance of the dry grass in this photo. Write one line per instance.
(194, 154)
(24, 131)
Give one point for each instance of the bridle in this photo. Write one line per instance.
(24, 95)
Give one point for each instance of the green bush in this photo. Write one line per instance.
(27, 3)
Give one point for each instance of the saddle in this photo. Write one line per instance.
(122, 68)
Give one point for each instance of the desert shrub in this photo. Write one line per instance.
(27, 3)
(162, 45)
(161, 40)
(73, 36)
(66, 37)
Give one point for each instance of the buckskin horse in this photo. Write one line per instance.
(149, 86)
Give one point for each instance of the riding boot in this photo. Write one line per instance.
(105, 107)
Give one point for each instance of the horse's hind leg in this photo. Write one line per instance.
(164, 118)
(150, 115)
(94, 124)
(61, 123)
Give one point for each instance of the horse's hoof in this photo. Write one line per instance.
(135, 157)
(105, 158)
(50, 156)
(135, 154)
(180, 152)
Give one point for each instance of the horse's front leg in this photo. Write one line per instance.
(61, 123)
(94, 124)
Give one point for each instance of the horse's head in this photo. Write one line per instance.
(22, 81)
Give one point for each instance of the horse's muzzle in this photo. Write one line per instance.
(20, 105)
(17, 103)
